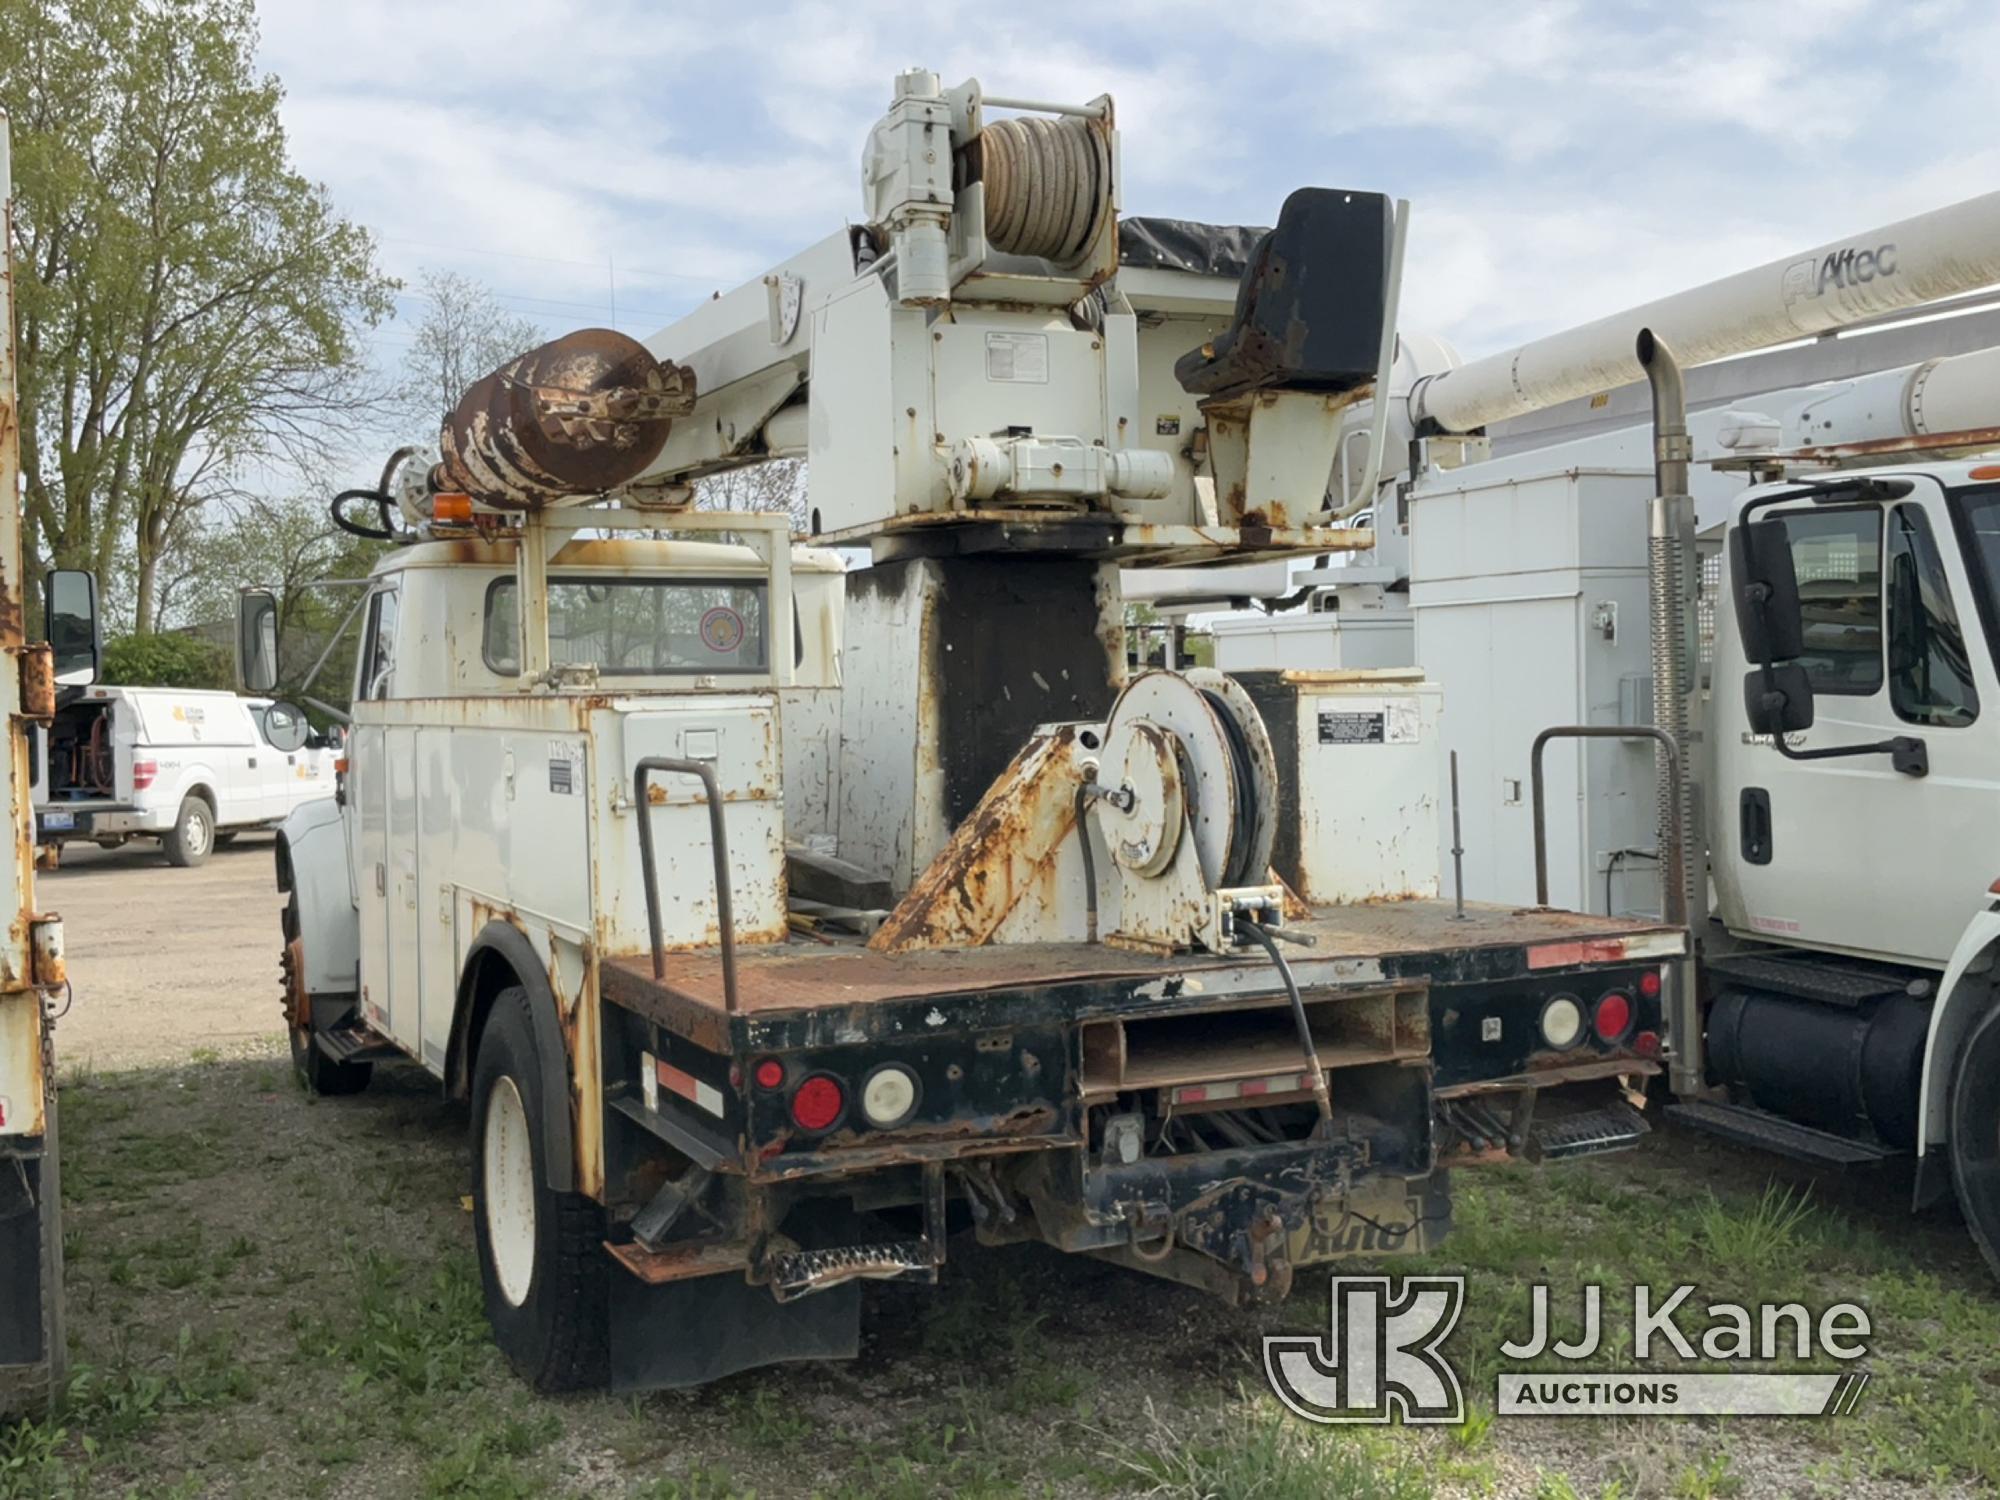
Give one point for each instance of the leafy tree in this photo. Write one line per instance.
(183, 661)
(291, 546)
(188, 303)
(464, 334)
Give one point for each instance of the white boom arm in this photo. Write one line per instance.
(1913, 261)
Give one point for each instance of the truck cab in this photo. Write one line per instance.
(1852, 824)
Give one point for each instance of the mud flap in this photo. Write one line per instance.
(686, 1333)
(28, 1323)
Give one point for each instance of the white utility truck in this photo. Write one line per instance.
(1842, 875)
(192, 769)
(31, 949)
(777, 920)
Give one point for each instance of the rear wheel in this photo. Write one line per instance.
(192, 837)
(541, 1253)
(1975, 1136)
(320, 1073)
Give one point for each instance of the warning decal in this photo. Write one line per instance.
(1368, 721)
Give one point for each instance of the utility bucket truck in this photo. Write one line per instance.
(1837, 783)
(34, 679)
(778, 918)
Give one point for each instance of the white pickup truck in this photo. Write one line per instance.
(190, 768)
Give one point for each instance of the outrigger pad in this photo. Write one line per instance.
(1310, 307)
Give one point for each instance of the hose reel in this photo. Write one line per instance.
(1186, 801)
(1048, 185)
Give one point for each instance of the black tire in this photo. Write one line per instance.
(1975, 1136)
(549, 1312)
(192, 838)
(320, 1074)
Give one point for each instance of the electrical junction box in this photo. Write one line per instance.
(1529, 596)
(1359, 763)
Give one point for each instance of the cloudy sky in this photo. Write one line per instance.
(1563, 160)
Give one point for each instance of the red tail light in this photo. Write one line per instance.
(1613, 1016)
(143, 772)
(1649, 984)
(818, 1102)
(770, 1073)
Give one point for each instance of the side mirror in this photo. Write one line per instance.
(1768, 616)
(1779, 702)
(285, 726)
(257, 641)
(74, 642)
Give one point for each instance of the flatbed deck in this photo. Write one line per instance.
(806, 990)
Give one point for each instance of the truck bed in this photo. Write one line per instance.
(795, 991)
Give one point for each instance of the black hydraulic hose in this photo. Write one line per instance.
(338, 510)
(1270, 946)
(1243, 831)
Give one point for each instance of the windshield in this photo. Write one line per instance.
(637, 626)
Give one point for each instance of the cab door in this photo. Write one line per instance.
(369, 787)
(1849, 853)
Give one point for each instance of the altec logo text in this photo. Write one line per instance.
(1381, 1359)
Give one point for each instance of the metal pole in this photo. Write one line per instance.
(1672, 861)
(1457, 846)
(725, 922)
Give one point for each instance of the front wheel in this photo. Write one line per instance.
(1975, 1136)
(192, 837)
(541, 1253)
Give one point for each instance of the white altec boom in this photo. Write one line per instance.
(1839, 786)
(31, 950)
(777, 919)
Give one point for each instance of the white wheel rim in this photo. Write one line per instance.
(197, 830)
(508, 1200)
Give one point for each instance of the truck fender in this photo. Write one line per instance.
(1964, 994)
(313, 867)
(501, 955)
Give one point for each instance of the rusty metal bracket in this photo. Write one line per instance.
(725, 924)
(1673, 877)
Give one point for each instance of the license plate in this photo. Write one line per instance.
(58, 821)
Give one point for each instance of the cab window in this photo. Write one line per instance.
(1930, 672)
(636, 626)
(378, 648)
(1837, 555)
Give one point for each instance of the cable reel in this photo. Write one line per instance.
(1186, 754)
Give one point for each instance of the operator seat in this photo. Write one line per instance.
(1310, 306)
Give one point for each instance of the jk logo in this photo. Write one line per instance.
(1379, 1359)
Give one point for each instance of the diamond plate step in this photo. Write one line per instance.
(1804, 979)
(1769, 1132)
(1617, 1127)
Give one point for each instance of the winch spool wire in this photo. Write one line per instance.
(1048, 186)
(1243, 829)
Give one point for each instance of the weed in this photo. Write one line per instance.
(696, 1484)
(478, 1467)
(1262, 1452)
(764, 1419)
(421, 1340)
(1761, 1242)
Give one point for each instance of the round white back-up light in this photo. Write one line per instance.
(1562, 1022)
(889, 1096)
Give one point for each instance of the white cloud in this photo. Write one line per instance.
(1564, 157)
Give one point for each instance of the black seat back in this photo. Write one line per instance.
(1310, 307)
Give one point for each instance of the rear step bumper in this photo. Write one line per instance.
(1769, 1132)
(1615, 1127)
